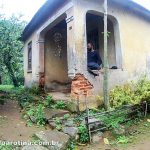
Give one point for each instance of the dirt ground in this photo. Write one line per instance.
(140, 141)
(12, 126)
(143, 145)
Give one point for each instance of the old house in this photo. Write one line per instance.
(55, 51)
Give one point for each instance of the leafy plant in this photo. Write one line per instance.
(48, 101)
(122, 140)
(72, 145)
(39, 114)
(60, 105)
(36, 112)
(83, 134)
(35, 90)
(131, 93)
(24, 98)
(66, 116)
(58, 123)
(6, 147)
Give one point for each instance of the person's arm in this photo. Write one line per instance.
(99, 60)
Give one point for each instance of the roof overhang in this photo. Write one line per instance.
(50, 7)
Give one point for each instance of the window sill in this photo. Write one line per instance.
(29, 71)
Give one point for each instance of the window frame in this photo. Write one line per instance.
(29, 58)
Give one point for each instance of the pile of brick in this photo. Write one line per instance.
(80, 87)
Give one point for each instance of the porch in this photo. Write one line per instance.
(63, 54)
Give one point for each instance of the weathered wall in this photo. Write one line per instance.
(134, 40)
(133, 53)
(31, 77)
(56, 68)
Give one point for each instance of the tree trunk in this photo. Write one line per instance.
(105, 84)
(12, 75)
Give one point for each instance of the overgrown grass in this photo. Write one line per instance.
(136, 132)
(131, 93)
(10, 88)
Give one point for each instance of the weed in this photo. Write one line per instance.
(58, 123)
(83, 134)
(48, 101)
(36, 112)
(66, 116)
(122, 140)
(60, 105)
(39, 114)
(72, 145)
(6, 147)
(131, 93)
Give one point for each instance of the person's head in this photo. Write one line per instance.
(90, 46)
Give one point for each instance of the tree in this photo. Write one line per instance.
(11, 56)
(105, 84)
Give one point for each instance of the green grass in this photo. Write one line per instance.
(10, 88)
(6, 87)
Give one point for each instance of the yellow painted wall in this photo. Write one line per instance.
(134, 39)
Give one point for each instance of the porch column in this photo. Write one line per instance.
(41, 55)
(76, 42)
(71, 53)
(40, 43)
(80, 40)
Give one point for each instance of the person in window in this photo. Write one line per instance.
(94, 60)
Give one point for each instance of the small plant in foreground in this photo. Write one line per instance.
(48, 101)
(72, 145)
(66, 116)
(58, 123)
(83, 134)
(60, 105)
(6, 147)
(37, 113)
(122, 140)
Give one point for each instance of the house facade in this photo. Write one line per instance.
(55, 50)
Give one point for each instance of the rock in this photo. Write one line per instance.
(69, 123)
(33, 119)
(34, 147)
(94, 123)
(97, 137)
(52, 124)
(72, 106)
(72, 131)
(57, 140)
(120, 130)
(52, 113)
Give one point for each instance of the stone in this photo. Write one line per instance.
(58, 140)
(52, 113)
(34, 147)
(72, 131)
(33, 119)
(52, 124)
(97, 137)
(69, 123)
(94, 123)
(72, 106)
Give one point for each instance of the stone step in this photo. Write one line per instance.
(34, 147)
(57, 96)
(57, 140)
(52, 113)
